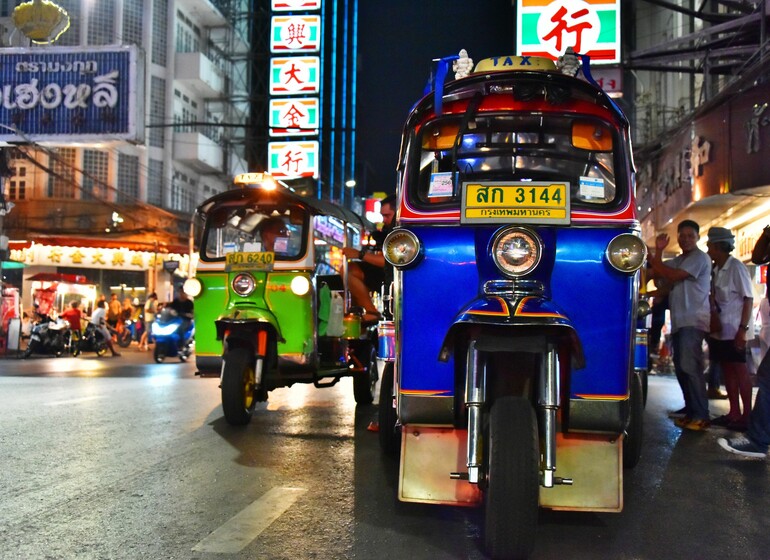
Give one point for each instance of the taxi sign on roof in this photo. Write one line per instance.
(265, 179)
(508, 63)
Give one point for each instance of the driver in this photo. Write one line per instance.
(368, 275)
(269, 230)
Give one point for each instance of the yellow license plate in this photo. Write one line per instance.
(525, 202)
(249, 261)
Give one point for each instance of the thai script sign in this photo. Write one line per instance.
(71, 94)
(294, 116)
(533, 202)
(292, 159)
(547, 28)
(295, 34)
(295, 75)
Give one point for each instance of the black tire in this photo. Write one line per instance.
(100, 348)
(645, 385)
(364, 382)
(390, 432)
(27, 351)
(159, 352)
(238, 384)
(76, 349)
(632, 443)
(512, 479)
(124, 338)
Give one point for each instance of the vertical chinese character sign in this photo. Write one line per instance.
(547, 28)
(291, 160)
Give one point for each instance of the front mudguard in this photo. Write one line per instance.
(492, 321)
(240, 326)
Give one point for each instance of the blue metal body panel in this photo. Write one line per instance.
(591, 295)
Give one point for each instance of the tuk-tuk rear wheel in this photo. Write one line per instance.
(389, 434)
(238, 380)
(364, 382)
(512, 479)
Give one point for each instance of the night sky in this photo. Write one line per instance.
(397, 41)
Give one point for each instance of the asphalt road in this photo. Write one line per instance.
(124, 458)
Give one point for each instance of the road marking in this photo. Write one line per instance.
(73, 401)
(247, 525)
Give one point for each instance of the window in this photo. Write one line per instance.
(188, 35)
(155, 182)
(128, 178)
(95, 174)
(158, 111)
(159, 31)
(72, 35)
(61, 182)
(133, 28)
(515, 147)
(17, 189)
(247, 227)
(101, 23)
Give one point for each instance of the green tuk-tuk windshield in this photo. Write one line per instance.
(237, 228)
(582, 151)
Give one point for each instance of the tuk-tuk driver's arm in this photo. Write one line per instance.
(374, 259)
(660, 269)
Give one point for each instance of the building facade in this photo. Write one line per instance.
(118, 210)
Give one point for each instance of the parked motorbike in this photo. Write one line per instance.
(91, 340)
(165, 331)
(49, 337)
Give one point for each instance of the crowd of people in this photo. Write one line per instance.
(710, 299)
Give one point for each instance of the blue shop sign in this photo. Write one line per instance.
(70, 94)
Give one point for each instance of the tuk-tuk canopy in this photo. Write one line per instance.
(266, 190)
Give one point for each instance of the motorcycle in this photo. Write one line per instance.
(91, 340)
(49, 337)
(165, 331)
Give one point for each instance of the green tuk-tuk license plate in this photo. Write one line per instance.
(249, 261)
(518, 202)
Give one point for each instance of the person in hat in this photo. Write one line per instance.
(732, 302)
(755, 442)
(687, 281)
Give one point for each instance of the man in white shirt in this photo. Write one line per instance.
(688, 277)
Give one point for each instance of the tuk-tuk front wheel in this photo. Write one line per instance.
(364, 382)
(632, 443)
(390, 432)
(512, 479)
(238, 384)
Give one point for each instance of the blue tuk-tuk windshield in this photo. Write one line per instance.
(581, 151)
(250, 229)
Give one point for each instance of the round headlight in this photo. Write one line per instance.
(243, 284)
(192, 287)
(626, 252)
(516, 251)
(401, 247)
(300, 285)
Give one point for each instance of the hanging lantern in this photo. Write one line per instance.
(41, 21)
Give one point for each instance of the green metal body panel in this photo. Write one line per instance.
(208, 306)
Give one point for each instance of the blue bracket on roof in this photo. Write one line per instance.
(436, 82)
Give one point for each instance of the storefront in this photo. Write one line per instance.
(715, 171)
(122, 270)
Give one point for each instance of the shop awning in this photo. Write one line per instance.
(59, 277)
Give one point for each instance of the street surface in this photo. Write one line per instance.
(124, 458)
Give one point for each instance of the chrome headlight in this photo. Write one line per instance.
(401, 247)
(626, 252)
(516, 251)
(192, 287)
(243, 284)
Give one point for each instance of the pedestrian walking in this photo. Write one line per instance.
(732, 303)
(757, 439)
(688, 283)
